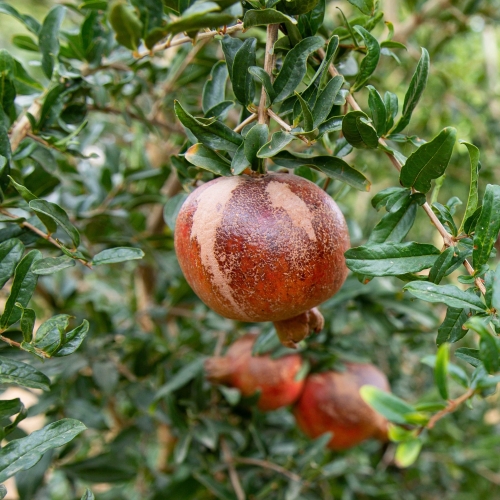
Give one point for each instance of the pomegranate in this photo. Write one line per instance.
(275, 378)
(330, 402)
(263, 248)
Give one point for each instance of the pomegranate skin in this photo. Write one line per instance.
(275, 378)
(264, 248)
(330, 402)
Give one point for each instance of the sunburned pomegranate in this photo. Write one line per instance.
(263, 248)
(275, 378)
(330, 402)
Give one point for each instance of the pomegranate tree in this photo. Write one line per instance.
(330, 402)
(276, 379)
(263, 248)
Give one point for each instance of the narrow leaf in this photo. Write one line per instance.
(243, 85)
(278, 141)
(48, 40)
(11, 252)
(407, 452)
(24, 453)
(388, 405)
(378, 110)
(118, 254)
(447, 294)
(18, 373)
(370, 61)
(441, 266)
(391, 259)
(203, 157)
(415, 90)
(472, 200)
(52, 265)
(487, 226)
(429, 161)
(358, 131)
(441, 370)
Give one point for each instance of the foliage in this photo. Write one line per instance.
(109, 116)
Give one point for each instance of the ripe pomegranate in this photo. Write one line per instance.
(263, 248)
(274, 377)
(330, 402)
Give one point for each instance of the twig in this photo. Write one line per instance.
(13, 343)
(447, 239)
(452, 406)
(268, 465)
(245, 122)
(269, 64)
(23, 126)
(43, 235)
(285, 125)
(233, 475)
(186, 39)
(135, 116)
(41, 141)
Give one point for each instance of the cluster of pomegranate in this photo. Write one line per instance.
(323, 402)
(271, 248)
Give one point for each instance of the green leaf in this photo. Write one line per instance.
(32, 24)
(429, 161)
(214, 134)
(118, 254)
(441, 266)
(11, 252)
(27, 322)
(391, 105)
(88, 495)
(172, 208)
(367, 7)
(407, 452)
(52, 265)
(50, 335)
(230, 47)
(22, 288)
(451, 330)
(126, 25)
(254, 140)
(240, 162)
(18, 373)
(394, 226)
(263, 17)
(307, 116)
(295, 67)
(58, 215)
(415, 90)
(73, 339)
(370, 61)
(495, 289)
(391, 259)
(10, 407)
(181, 378)
(489, 347)
(198, 16)
(203, 157)
(388, 405)
(264, 78)
(242, 80)
(487, 226)
(378, 110)
(24, 453)
(474, 173)
(388, 196)
(358, 131)
(333, 124)
(441, 370)
(214, 90)
(23, 191)
(278, 141)
(48, 40)
(448, 294)
(324, 102)
(471, 356)
(334, 167)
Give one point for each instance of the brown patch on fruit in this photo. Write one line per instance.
(274, 378)
(330, 402)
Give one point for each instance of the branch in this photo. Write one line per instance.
(135, 116)
(23, 126)
(43, 235)
(269, 64)
(268, 465)
(285, 125)
(186, 39)
(245, 122)
(452, 406)
(13, 343)
(447, 239)
(233, 475)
